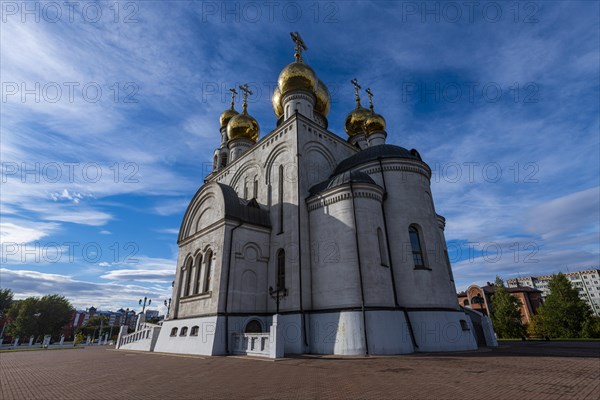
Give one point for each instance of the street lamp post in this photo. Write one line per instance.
(277, 294)
(143, 304)
(168, 305)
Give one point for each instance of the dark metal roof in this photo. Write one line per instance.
(375, 153)
(248, 211)
(342, 179)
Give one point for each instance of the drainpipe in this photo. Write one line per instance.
(240, 223)
(362, 291)
(387, 241)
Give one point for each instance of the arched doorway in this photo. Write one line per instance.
(253, 326)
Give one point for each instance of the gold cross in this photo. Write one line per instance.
(246, 91)
(370, 94)
(300, 45)
(233, 94)
(356, 88)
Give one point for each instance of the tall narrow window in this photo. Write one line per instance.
(415, 244)
(383, 254)
(281, 199)
(255, 189)
(215, 162)
(280, 269)
(198, 276)
(209, 256)
(188, 273)
(224, 160)
(246, 189)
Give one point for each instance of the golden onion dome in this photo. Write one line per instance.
(243, 126)
(355, 121)
(297, 76)
(374, 123)
(323, 99)
(226, 116)
(276, 102)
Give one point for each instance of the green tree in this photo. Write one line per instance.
(93, 325)
(507, 314)
(563, 314)
(40, 316)
(6, 299)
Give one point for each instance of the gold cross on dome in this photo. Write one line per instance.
(300, 45)
(233, 94)
(356, 89)
(370, 94)
(246, 91)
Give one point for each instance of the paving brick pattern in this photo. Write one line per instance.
(532, 370)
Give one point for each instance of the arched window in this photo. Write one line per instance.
(215, 162)
(209, 256)
(415, 244)
(280, 199)
(255, 189)
(183, 331)
(187, 272)
(194, 331)
(253, 326)
(224, 160)
(465, 302)
(198, 277)
(280, 269)
(246, 189)
(174, 332)
(383, 254)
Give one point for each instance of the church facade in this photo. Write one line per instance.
(336, 239)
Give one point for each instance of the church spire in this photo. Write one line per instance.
(370, 94)
(246, 91)
(300, 45)
(233, 94)
(357, 87)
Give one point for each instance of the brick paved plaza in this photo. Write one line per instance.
(516, 370)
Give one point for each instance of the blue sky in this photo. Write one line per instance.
(501, 99)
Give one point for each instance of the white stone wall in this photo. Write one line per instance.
(210, 339)
(442, 331)
(409, 202)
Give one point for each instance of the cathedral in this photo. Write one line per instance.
(306, 241)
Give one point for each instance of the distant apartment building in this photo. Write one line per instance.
(587, 282)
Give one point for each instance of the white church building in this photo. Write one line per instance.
(306, 241)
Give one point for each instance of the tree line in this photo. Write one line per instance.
(562, 315)
(35, 316)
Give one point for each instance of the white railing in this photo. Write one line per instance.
(256, 344)
(143, 339)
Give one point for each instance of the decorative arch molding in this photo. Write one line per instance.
(209, 194)
(318, 147)
(186, 260)
(254, 246)
(242, 171)
(203, 213)
(278, 150)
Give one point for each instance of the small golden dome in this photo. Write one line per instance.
(276, 102)
(242, 126)
(355, 121)
(374, 123)
(323, 99)
(226, 116)
(297, 76)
